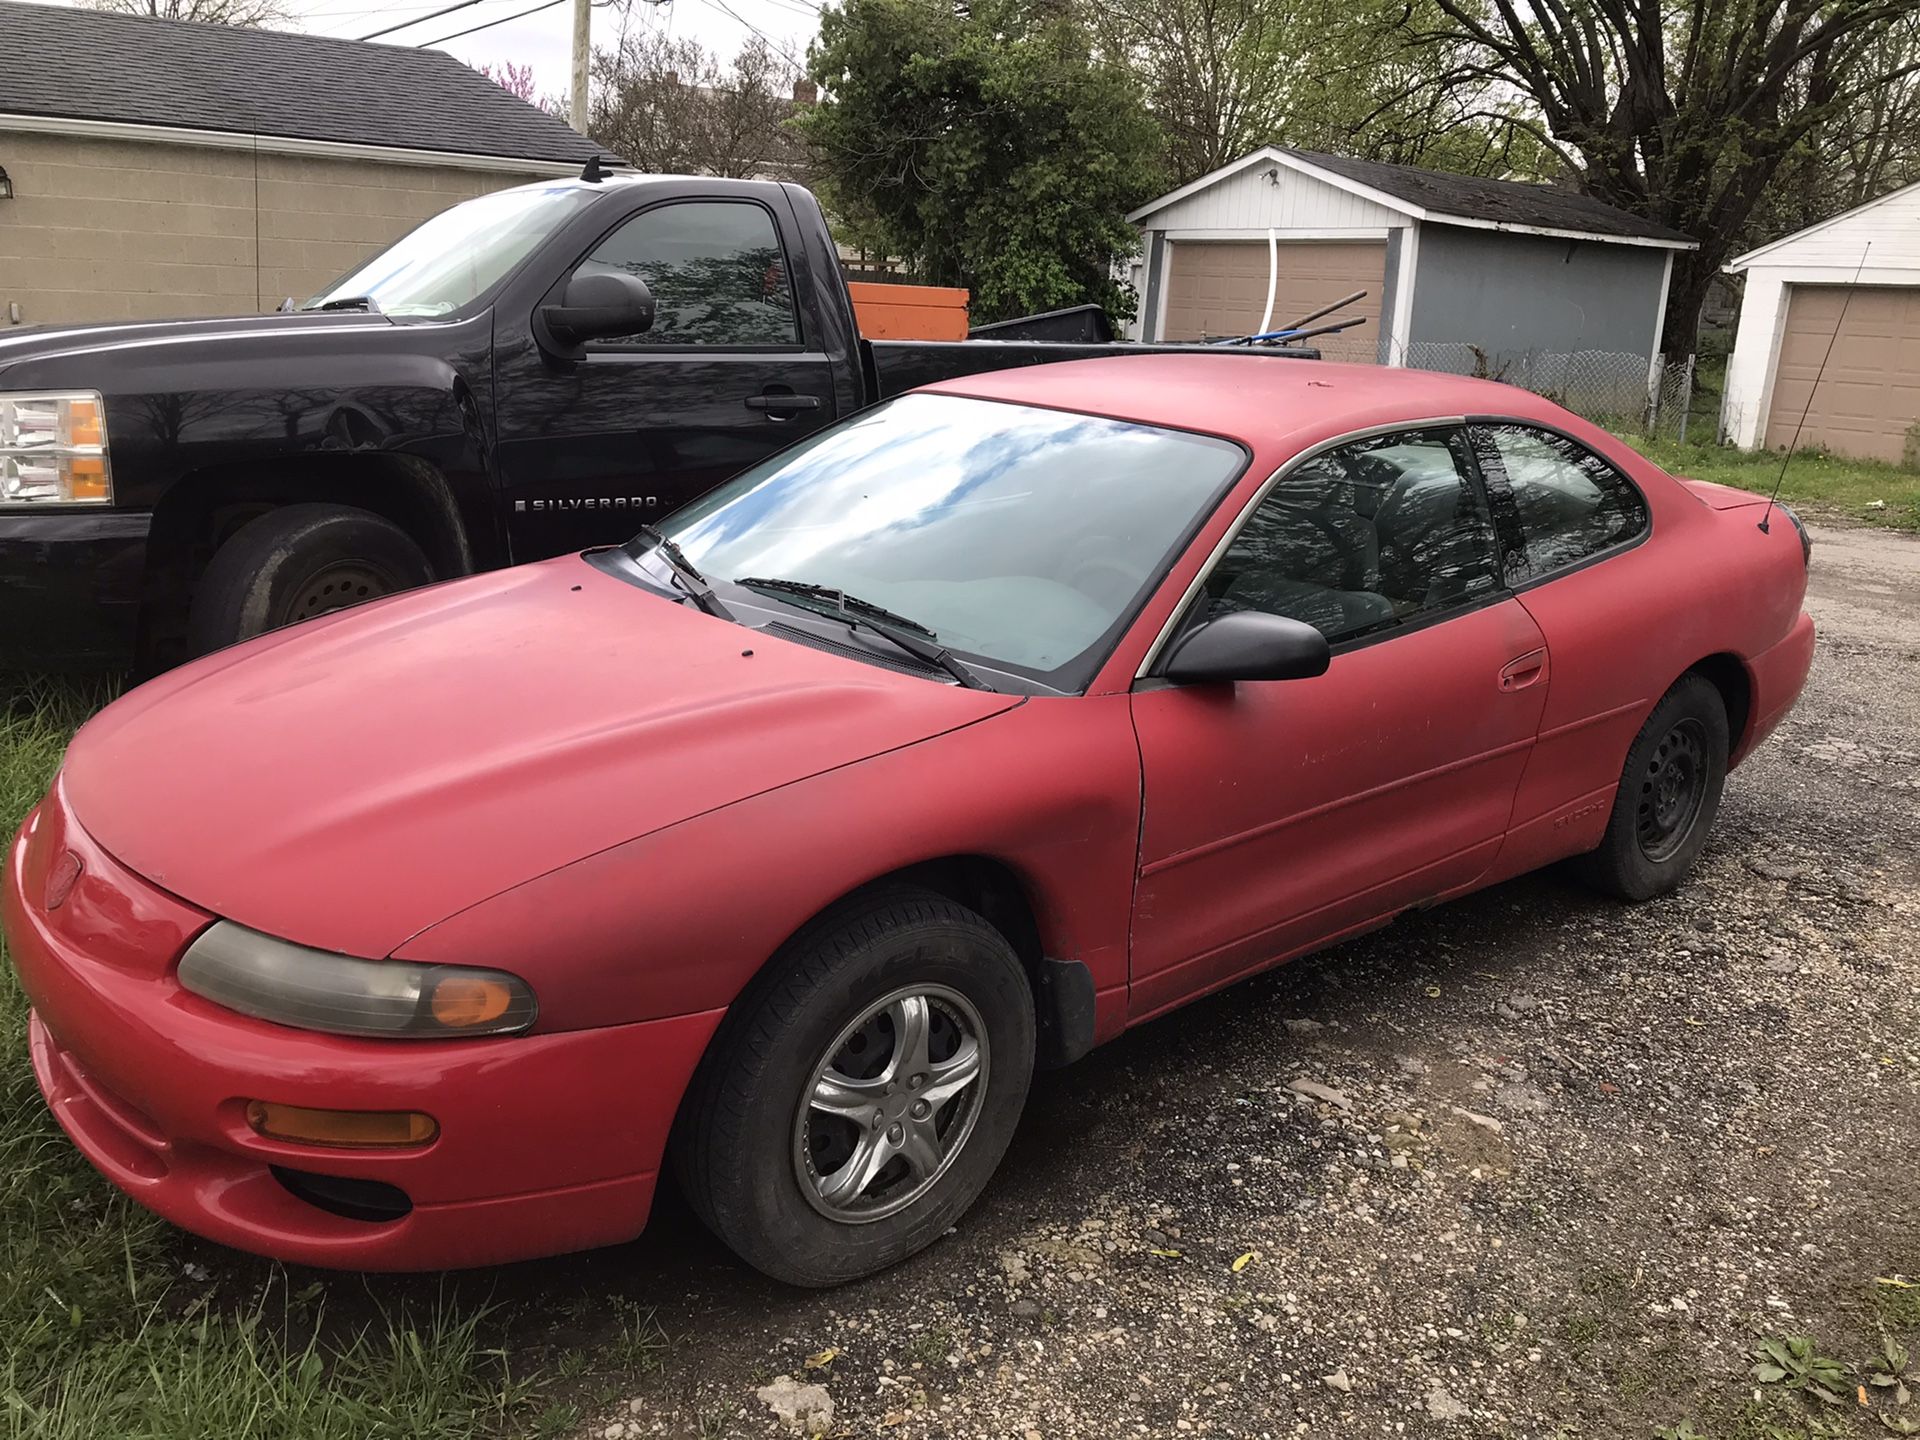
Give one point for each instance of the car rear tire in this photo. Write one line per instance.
(295, 563)
(1669, 795)
(858, 1097)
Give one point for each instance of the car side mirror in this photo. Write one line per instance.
(1247, 645)
(598, 305)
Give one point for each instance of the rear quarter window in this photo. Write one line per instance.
(1571, 504)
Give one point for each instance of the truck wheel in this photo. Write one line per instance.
(297, 562)
(861, 1092)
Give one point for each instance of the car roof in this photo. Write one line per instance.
(1268, 402)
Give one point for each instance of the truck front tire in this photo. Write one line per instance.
(297, 562)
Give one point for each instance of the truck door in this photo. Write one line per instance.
(590, 449)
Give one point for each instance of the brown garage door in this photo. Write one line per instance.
(1868, 399)
(1216, 290)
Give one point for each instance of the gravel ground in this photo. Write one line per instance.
(1529, 1165)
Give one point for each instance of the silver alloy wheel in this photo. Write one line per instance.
(891, 1104)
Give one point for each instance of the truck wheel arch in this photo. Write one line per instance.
(204, 508)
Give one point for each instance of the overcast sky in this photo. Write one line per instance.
(542, 40)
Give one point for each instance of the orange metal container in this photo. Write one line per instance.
(909, 312)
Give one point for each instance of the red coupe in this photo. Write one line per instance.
(789, 838)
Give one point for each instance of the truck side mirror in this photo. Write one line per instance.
(1248, 645)
(598, 305)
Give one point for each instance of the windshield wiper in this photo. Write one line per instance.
(349, 302)
(909, 635)
(691, 580)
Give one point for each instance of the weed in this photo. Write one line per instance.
(1896, 1302)
(929, 1347)
(1793, 1363)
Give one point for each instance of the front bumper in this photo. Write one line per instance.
(71, 585)
(547, 1143)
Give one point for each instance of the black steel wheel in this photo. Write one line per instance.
(1672, 790)
(1668, 797)
(297, 563)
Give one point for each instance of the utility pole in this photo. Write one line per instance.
(582, 49)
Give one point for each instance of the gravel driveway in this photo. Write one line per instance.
(1528, 1165)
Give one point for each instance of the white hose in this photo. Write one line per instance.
(1273, 279)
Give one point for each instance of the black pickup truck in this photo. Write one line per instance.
(538, 370)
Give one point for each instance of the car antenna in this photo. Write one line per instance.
(595, 169)
(1793, 444)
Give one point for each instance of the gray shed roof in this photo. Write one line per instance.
(1506, 202)
(131, 69)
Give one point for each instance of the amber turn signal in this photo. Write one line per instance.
(463, 1001)
(354, 1129)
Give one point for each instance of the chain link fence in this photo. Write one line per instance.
(1621, 392)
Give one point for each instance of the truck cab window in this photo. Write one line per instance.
(717, 272)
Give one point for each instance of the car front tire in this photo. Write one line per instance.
(1669, 795)
(296, 563)
(861, 1093)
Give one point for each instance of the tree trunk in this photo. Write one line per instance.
(1693, 272)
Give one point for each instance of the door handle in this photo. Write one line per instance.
(780, 403)
(1527, 670)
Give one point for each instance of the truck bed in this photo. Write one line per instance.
(900, 365)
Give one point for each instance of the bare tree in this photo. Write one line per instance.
(247, 14)
(1687, 113)
(1226, 76)
(672, 105)
(1855, 154)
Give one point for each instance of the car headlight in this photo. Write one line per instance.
(53, 449)
(290, 984)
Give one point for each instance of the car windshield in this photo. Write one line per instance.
(458, 255)
(1019, 537)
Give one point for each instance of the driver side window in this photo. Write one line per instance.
(1362, 538)
(716, 270)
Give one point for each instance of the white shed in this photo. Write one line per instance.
(1843, 295)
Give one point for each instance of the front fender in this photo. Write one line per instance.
(679, 921)
(249, 395)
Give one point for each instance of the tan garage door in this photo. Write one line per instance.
(1216, 290)
(1868, 399)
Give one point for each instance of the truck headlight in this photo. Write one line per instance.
(290, 984)
(53, 449)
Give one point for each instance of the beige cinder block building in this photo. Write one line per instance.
(156, 168)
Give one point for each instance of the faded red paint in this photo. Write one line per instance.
(547, 771)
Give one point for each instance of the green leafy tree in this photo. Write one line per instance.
(988, 146)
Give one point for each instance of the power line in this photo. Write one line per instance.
(734, 15)
(489, 24)
(334, 17)
(448, 10)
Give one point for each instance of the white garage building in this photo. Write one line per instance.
(1851, 284)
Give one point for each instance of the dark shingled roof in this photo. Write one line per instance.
(1508, 202)
(88, 65)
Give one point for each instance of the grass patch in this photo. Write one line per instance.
(104, 1333)
(1896, 1304)
(1814, 479)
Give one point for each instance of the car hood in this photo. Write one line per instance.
(349, 782)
